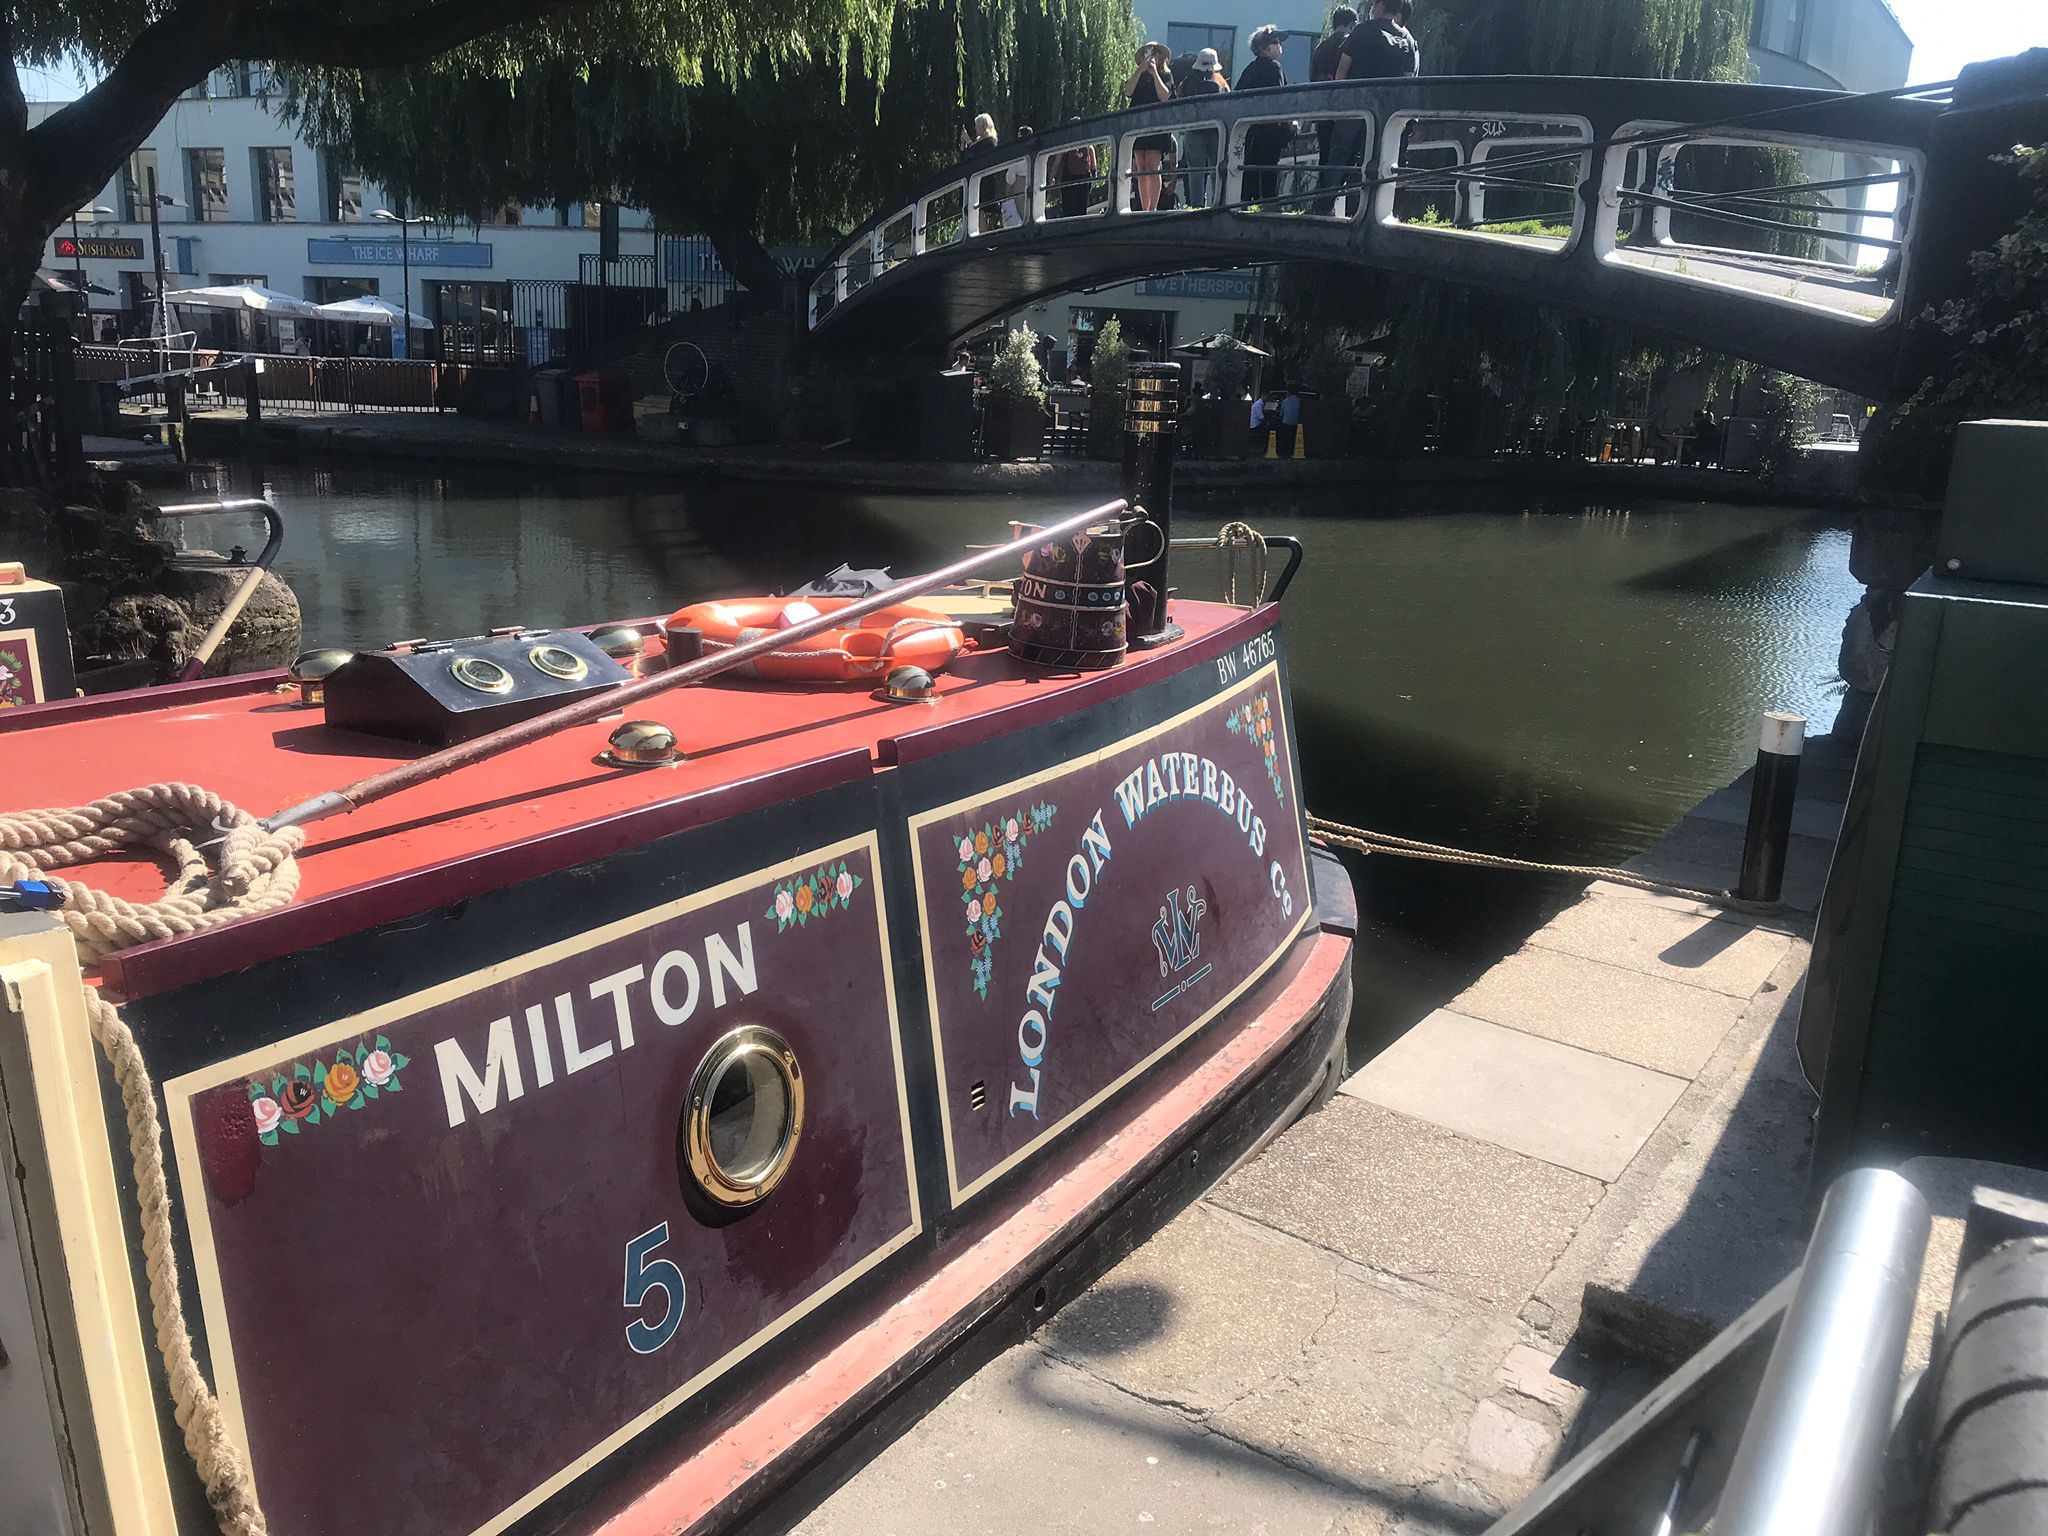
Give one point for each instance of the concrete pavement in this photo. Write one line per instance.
(1411, 1306)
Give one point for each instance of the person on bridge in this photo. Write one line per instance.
(1322, 68)
(1150, 84)
(1077, 170)
(1380, 48)
(1264, 143)
(1198, 145)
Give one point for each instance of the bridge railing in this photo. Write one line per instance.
(1804, 200)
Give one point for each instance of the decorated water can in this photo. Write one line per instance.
(1070, 602)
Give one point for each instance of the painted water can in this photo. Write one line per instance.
(1071, 610)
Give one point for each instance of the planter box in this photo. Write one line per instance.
(1013, 429)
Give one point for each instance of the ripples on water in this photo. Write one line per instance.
(1518, 672)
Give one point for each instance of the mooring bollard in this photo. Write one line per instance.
(1770, 807)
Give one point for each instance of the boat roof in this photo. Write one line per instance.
(539, 808)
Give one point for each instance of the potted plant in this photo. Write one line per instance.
(1013, 414)
(1326, 401)
(1108, 372)
(1222, 426)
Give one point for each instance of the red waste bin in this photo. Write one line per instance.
(606, 401)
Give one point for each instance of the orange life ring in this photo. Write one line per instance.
(869, 648)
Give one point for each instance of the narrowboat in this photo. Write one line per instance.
(625, 1130)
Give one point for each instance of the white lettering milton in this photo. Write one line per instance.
(671, 990)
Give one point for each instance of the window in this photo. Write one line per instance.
(137, 177)
(510, 214)
(239, 78)
(472, 320)
(276, 202)
(593, 215)
(333, 290)
(206, 174)
(1191, 37)
(344, 193)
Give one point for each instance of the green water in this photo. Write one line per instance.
(1524, 673)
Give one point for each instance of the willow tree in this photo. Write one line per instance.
(1490, 356)
(143, 54)
(785, 139)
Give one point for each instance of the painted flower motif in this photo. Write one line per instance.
(966, 849)
(974, 910)
(989, 855)
(785, 906)
(1254, 722)
(1010, 830)
(967, 878)
(828, 888)
(377, 1068)
(977, 941)
(342, 1082)
(1245, 714)
(844, 886)
(268, 1116)
(804, 898)
(299, 1099)
(981, 870)
(997, 865)
(981, 841)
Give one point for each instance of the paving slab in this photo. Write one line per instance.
(1708, 952)
(1811, 816)
(1411, 1199)
(1032, 1444)
(1724, 1220)
(1575, 1108)
(1653, 1021)
(1708, 854)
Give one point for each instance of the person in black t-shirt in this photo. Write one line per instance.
(1322, 67)
(1379, 48)
(1264, 143)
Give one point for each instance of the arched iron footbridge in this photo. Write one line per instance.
(1613, 198)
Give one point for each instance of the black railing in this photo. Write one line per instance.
(39, 427)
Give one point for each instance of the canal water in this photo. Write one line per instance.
(1537, 674)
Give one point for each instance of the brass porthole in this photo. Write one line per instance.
(480, 673)
(559, 662)
(744, 1117)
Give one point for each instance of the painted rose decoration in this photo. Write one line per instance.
(301, 1095)
(988, 856)
(828, 888)
(1253, 720)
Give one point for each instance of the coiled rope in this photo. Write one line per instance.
(1241, 556)
(255, 871)
(1362, 840)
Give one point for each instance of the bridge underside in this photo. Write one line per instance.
(1733, 305)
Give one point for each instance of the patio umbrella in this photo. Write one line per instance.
(1208, 344)
(253, 297)
(371, 310)
(65, 282)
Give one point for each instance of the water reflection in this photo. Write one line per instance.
(1519, 672)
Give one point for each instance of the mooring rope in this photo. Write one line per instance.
(254, 872)
(1362, 840)
(1241, 545)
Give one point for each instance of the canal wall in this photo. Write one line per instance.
(1825, 479)
(1419, 1300)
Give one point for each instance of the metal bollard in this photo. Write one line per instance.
(1770, 808)
(1811, 1454)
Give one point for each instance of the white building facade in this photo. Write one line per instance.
(251, 201)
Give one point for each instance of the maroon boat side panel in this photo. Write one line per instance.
(461, 1267)
(133, 701)
(1139, 670)
(1082, 921)
(177, 962)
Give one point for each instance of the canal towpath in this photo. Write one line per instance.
(1419, 1300)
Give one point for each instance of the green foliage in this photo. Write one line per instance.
(790, 136)
(1014, 376)
(1326, 369)
(1107, 373)
(1997, 354)
(1787, 405)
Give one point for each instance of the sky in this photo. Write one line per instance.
(1947, 34)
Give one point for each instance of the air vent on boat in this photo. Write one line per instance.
(977, 1095)
(444, 691)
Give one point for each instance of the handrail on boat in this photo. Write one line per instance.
(611, 701)
(1284, 541)
(230, 611)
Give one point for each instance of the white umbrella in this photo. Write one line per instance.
(371, 310)
(249, 296)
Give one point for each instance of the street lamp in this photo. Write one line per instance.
(156, 248)
(401, 334)
(78, 259)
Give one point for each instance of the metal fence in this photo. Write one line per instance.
(216, 380)
(39, 431)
